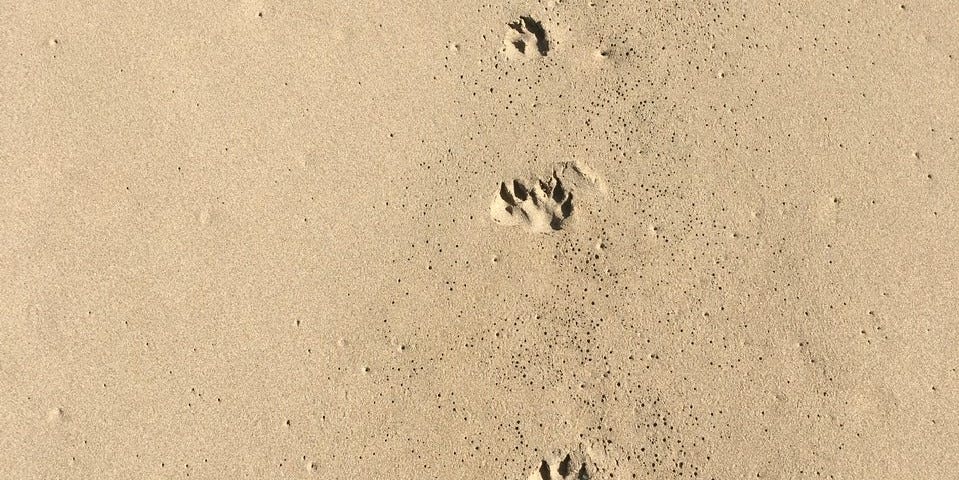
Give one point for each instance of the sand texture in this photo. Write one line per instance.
(522, 240)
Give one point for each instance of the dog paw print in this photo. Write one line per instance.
(545, 204)
(541, 206)
(526, 38)
(569, 467)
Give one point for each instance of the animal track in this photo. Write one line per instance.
(527, 38)
(542, 205)
(570, 467)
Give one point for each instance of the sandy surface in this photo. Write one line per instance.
(566, 239)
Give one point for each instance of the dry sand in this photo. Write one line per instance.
(566, 239)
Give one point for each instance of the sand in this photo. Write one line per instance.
(565, 239)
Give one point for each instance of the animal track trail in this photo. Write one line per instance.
(571, 467)
(542, 205)
(526, 38)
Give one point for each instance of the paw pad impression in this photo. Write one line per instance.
(526, 38)
(570, 467)
(541, 205)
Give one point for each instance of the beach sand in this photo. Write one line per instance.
(553, 240)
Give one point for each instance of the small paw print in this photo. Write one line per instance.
(545, 204)
(539, 206)
(526, 38)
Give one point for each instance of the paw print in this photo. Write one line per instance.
(542, 206)
(527, 38)
(571, 467)
(545, 204)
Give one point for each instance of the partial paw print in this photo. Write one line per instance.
(544, 205)
(526, 38)
(570, 467)
(541, 206)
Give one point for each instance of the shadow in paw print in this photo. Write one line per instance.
(568, 468)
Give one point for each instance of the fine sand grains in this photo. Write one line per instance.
(547, 240)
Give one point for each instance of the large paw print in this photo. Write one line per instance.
(570, 467)
(540, 206)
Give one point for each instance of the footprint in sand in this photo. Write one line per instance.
(542, 205)
(526, 38)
